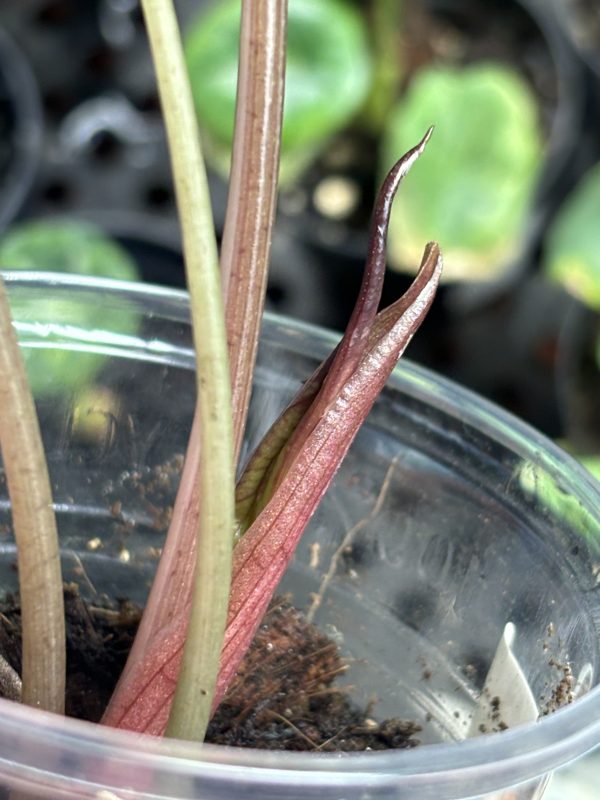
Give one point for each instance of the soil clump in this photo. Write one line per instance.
(284, 696)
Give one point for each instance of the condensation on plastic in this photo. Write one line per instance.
(484, 522)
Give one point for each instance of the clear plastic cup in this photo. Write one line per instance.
(482, 522)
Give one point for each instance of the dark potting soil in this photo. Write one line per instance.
(284, 696)
(99, 638)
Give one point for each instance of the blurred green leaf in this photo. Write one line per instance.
(328, 74)
(53, 355)
(538, 484)
(473, 191)
(592, 464)
(571, 249)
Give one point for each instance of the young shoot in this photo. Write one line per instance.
(288, 475)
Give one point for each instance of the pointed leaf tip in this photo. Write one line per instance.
(400, 169)
(284, 441)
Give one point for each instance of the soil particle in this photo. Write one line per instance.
(563, 692)
(283, 697)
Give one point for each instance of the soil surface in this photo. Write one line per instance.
(283, 698)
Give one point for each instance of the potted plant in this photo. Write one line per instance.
(452, 568)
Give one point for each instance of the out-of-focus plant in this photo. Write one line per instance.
(592, 464)
(540, 487)
(328, 74)
(572, 257)
(66, 246)
(385, 18)
(571, 251)
(476, 190)
(63, 246)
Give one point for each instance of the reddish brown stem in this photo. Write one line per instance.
(252, 191)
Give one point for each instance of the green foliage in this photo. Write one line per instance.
(328, 75)
(537, 483)
(592, 464)
(571, 251)
(473, 191)
(63, 247)
(66, 247)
